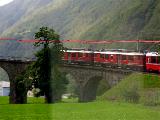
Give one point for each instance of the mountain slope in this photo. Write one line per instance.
(13, 12)
(86, 19)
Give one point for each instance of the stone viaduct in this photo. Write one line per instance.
(86, 77)
(13, 68)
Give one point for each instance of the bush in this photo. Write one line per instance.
(131, 95)
(72, 87)
(103, 87)
(151, 97)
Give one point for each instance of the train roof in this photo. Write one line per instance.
(80, 51)
(152, 54)
(107, 52)
(121, 53)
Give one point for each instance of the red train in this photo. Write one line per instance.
(114, 58)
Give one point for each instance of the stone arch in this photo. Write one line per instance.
(13, 68)
(87, 88)
(89, 91)
(73, 85)
(88, 79)
(3, 75)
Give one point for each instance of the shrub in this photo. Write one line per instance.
(131, 94)
(151, 97)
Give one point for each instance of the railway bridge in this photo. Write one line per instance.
(13, 67)
(87, 77)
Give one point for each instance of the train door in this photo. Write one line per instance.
(144, 62)
(118, 59)
(111, 58)
(158, 60)
(69, 58)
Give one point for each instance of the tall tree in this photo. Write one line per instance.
(45, 72)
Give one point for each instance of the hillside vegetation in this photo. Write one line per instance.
(80, 19)
(136, 88)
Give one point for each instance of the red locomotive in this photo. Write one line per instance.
(114, 58)
(153, 61)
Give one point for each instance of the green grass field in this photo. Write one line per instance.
(104, 111)
(101, 109)
(70, 110)
(30, 111)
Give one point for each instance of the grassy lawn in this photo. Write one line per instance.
(36, 111)
(104, 111)
(76, 111)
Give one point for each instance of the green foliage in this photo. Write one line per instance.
(131, 95)
(152, 81)
(103, 87)
(82, 19)
(151, 97)
(22, 84)
(58, 84)
(45, 70)
(72, 87)
(36, 92)
(47, 35)
(133, 89)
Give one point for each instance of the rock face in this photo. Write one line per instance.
(79, 19)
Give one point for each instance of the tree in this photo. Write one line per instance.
(45, 71)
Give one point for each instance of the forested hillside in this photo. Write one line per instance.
(79, 19)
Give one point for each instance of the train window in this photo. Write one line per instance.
(73, 54)
(92, 54)
(138, 57)
(80, 54)
(95, 55)
(102, 55)
(148, 60)
(153, 59)
(111, 57)
(130, 58)
(124, 57)
(107, 56)
(158, 59)
(69, 55)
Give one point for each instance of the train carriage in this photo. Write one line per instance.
(120, 59)
(133, 60)
(127, 60)
(153, 61)
(78, 57)
(106, 58)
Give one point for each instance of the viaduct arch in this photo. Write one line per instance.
(87, 77)
(13, 68)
